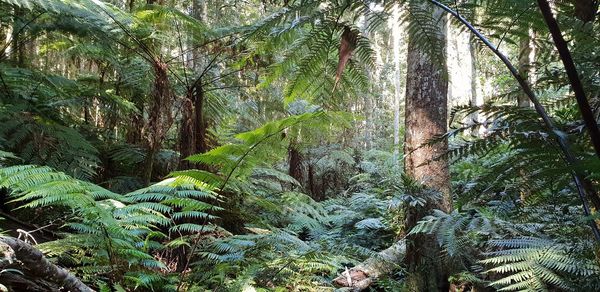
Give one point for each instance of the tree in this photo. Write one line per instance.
(426, 119)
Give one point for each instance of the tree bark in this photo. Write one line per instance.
(159, 118)
(34, 264)
(363, 275)
(426, 118)
(295, 168)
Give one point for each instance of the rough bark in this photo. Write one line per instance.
(193, 134)
(159, 119)
(38, 269)
(187, 139)
(426, 118)
(295, 169)
(362, 276)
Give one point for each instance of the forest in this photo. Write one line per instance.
(299, 145)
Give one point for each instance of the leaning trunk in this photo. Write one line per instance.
(426, 118)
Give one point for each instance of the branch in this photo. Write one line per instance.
(567, 60)
(39, 266)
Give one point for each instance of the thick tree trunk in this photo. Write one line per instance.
(193, 134)
(426, 118)
(38, 270)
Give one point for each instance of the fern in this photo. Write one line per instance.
(536, 264)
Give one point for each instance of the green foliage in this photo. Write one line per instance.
(110, 236)
(535, 264)
(263, 145)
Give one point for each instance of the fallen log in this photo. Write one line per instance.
(36, 267)
(383, 263)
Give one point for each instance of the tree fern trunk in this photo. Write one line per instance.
(426, 118)
(187, 137)
(159, 118)
(295, 163)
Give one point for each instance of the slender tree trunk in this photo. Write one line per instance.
(476, 92)
(200, 121)
(368, 110)
(135, 128)
(295, 163)
(426, 118)
(526, 59)
(396, 35)
(17, 40)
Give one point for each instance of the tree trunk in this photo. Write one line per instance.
(426, 118)
(363, 275)
(187, 137)
(18, 42)
(526, 58)
(159, 118)
(36, 268)
(136, 125)
(295, 163)
(396, 35)
(476, 93)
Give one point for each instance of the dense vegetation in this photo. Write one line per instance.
(299, 145)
